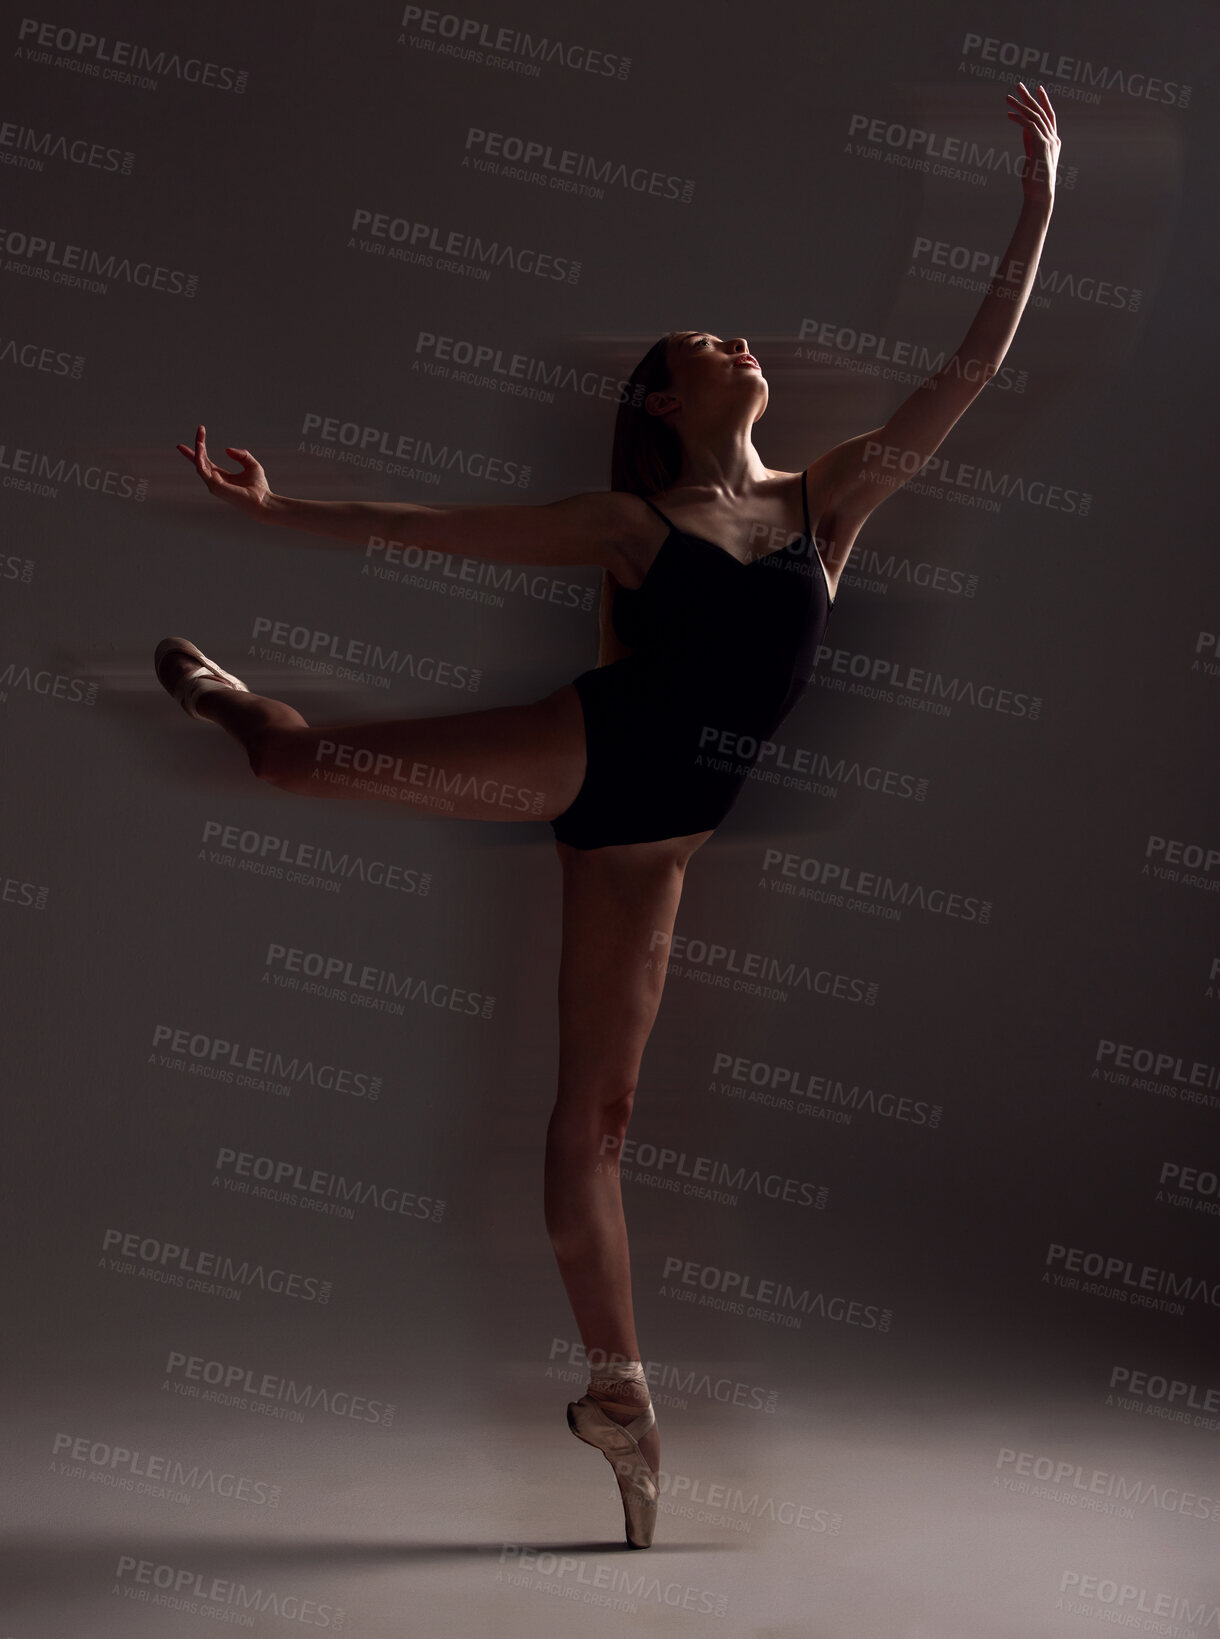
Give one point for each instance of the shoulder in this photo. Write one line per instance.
(632, 534)
(611, 527)
(609, 512)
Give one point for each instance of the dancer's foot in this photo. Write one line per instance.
(187, 673)
(615, 1415)
(628, 1400)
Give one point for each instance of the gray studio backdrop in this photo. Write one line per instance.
(928, 1126)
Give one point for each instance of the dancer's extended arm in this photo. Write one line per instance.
(593, 528)
(579, 529)
(860, 473)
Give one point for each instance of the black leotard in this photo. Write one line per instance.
(722, 650)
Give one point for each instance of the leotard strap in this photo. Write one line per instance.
(657, 510)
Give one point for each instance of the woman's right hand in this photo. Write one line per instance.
(247, 490)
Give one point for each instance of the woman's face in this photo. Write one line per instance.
(707, 370)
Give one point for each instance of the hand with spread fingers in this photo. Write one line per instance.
(248, 490)
(1036, 118)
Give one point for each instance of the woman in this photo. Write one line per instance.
(713, 607)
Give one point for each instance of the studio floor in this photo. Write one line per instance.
(842, 1521)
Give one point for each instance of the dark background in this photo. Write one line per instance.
(117, 922)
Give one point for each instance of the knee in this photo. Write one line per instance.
(608, 1128)
(616, 1113)
(594, 1121)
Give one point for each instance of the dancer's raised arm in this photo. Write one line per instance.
(591, 528)
(860, 473)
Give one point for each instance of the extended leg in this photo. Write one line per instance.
(503, 763)
(619, 906)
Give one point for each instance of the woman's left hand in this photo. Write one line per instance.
(1036, 118)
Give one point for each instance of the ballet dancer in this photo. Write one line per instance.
(714, 603)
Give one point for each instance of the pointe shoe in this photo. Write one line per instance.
(619, 1442)
(207, 675)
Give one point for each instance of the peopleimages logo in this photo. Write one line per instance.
(1157, 1070)
(751, 972)
(911, 148)
(1206, 643)
(1136, 1281)
(1192, 1186)
(148, 1475)
(1127, 1598)
(356, 660)
(1165, 858)
(668, 1380)
(484, 364)
(965, 484)
(631, 1156)
(366, 986)
(184, 1266)
(473, 579)
(453, 249)
(614, 1587)
(246, 1389)
(31, 896)
(1155, 1394)
(266, 1069)
(719, 1503)
(183, 1588)
(46, 359)
(417, 781)
(279, 1180)
(27, 148)
(1080, 1485)
(269, 855)
(870, 891)
(894, 682)
(35, 257)
(104, 58)
(359, 444)
(981, 51)
(1151, 1061)
(54, 685)
(772, 761)
(875, 571)
(787, 1087)
(473, 40)
(567, 169)
(36, 472)
(773, 1300)
(973, 269)
(900, 357)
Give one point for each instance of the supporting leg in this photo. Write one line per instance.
(619, 906)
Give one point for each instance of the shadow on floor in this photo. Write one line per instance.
(80, 1564)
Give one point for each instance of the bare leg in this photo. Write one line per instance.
(504, 763)
(619, 905)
